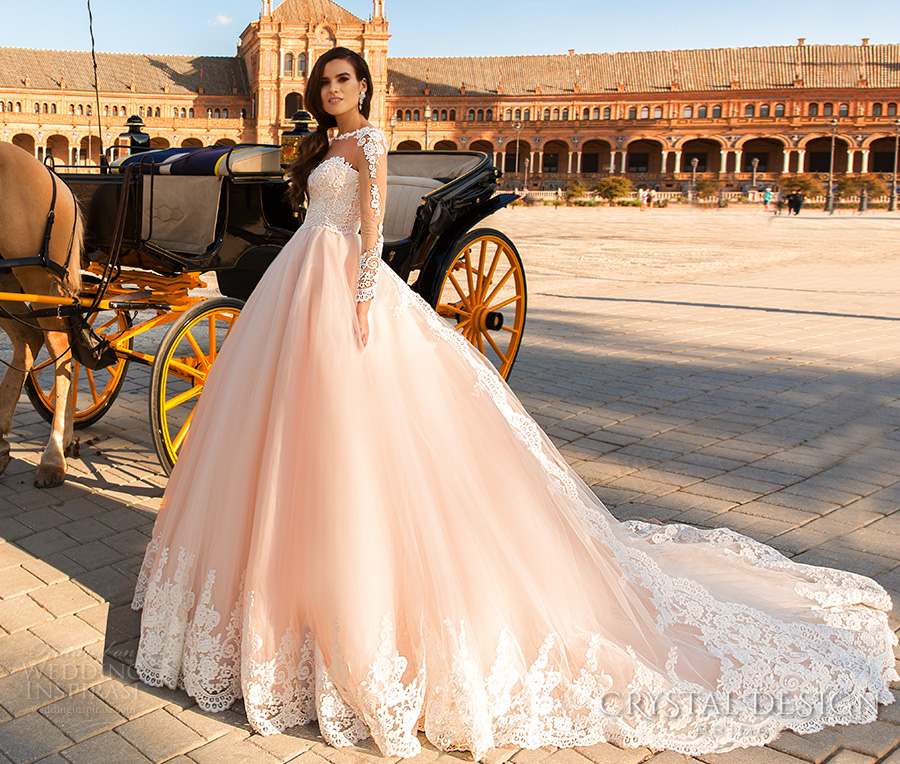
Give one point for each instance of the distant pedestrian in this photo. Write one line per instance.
(651, 198)
(642, 195)
(779, 201)
(767, 198)
(799, 198)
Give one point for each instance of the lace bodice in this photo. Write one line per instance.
(346, 200)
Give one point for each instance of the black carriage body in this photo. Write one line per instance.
(241, 221)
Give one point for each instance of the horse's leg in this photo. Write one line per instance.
(52, 469)
(26, 343)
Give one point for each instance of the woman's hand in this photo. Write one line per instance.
(362, 318)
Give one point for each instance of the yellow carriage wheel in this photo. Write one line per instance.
(183, 360)
(483, 292)
(93, 392)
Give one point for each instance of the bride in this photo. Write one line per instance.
(377, 536)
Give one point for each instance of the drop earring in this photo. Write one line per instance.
(362, 99)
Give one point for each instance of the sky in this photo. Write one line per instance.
(460, 28)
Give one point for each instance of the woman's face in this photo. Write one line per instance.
(340, 88)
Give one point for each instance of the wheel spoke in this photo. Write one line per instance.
(182, 397)
(212, 338)
(459, 290)
(499, 286)
(181, 369)
(490, 275)
(469, 274)
(505, 302)
(76, 372)
(93, 386)
(179, 438)
(494, 345)
(196, 347)
(481, 255)
(41, 366)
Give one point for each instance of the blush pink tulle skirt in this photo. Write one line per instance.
(383, 540)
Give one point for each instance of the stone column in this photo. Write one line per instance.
(864, 168)
(723, 161)
(851, 154)
(801, 159)
(624, 161)
(677, 160)
(612, 161)
(786, 160)
(665, 157)
(540, 162)
(738, 154)
(569, 171)
(578, 162)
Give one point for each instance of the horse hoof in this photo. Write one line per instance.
(49, 477)
(5, 459)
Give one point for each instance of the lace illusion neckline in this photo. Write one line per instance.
(352, 132)
(340, 159)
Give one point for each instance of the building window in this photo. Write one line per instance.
(596, 113)
(827, 109)
(190, 113)
(892, 110)
(288, 64)
(407, 116)
(527, 116)
(471, 115)
(399, 115)
(688, 112)
(546, 114)
(415, 115)
(53, 108)
(632, 113)
(453, 115)
(480, 115)
(844, 110)
(37, 108)
(140, 110)
(18, 106)
(877, 109)
(183, 114)
(174, 112)
(585, 114)
(779, 109)
(224, 113)
(590, 163)
(2, 106)
(301, 64)
(88, 110)
(551, 163)
(607, 112)
(638, 162)
(657, 112)
(509, 115)
(218, 114)
(489, 115)
(565, 115)
(645, 112)
(813, 110)
(750, 111)
(156, 112)
(556, 114)
(701, 112)
(717, 111)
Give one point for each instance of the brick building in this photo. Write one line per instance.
(737, 114)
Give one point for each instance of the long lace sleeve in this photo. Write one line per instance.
(372, 187)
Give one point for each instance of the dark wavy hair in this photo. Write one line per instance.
(315, 145)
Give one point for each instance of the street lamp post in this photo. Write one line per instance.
(829, 197)
(393, 127)
(892, 207)
(755, 163)
(427, 122)
(694, 163)
(518, 127)
(526, 175)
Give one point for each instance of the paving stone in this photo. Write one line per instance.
(758, 755)
(29, 738)
(159, 735)
(81, 715)
(214, 725)
(73, 672)
(606, 753)
(27, 690)
(126, 697)
(93, 555)
(63, 598)
(44, 571)
(873, 739)
(46, 542)
(16, 581)
(21, 613)
(105, 748)
(12, 556)
(229, 749)
(23, 649)
(67, 633)
(815, 747)
(286, 747)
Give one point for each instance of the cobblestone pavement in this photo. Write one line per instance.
(759, 393)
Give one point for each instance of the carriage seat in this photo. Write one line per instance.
(404, 195)
(217, 161)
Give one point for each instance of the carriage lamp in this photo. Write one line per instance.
(137, 139)
(290, 139)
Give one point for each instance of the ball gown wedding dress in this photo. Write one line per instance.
(382, 539)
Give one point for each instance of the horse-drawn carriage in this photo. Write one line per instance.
(170, 216)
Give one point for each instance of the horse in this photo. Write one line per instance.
(28, 192)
